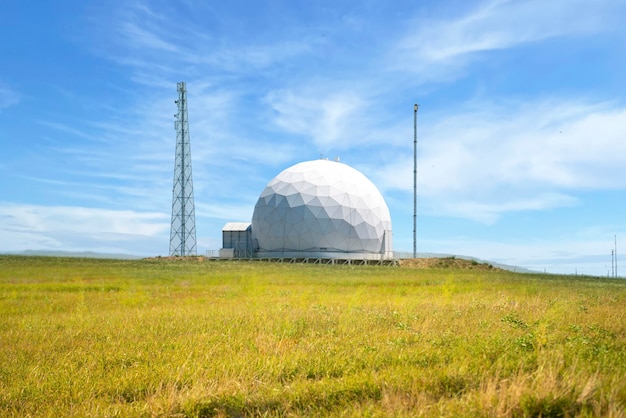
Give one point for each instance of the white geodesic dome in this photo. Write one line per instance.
(322, 208)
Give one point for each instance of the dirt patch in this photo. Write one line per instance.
(445, 263)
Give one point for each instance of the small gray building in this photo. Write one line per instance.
(237, 240)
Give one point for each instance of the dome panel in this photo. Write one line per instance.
(295, 200)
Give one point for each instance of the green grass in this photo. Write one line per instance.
(88, 337)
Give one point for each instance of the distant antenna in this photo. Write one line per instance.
(615, 255)
(415, 107)
(183, 228)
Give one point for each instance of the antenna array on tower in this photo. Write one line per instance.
(183, 227)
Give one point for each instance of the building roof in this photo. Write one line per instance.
(236, 226)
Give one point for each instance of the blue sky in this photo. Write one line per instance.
(521, 127)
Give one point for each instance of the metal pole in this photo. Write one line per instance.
(615, 255)
(415, 106)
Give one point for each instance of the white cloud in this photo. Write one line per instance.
(151, 42)
(526, 156)
(439, 49)
(72, 228)
(143, 38)
(489, 210)
(226, 212)
(8, 97)
(325, 119)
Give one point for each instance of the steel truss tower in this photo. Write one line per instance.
(183, 229)
(415, 107)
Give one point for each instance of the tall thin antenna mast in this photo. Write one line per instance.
(415, 107)
(183, 227)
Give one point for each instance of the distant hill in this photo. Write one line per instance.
(516, 269)
(78, 254)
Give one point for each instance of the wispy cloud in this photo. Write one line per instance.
(143, 38)
(511, 157)
(157, 48)
(324, 119)
(439, 49)
(8, 97)
(71, 130)
(490, 208)
(69, 228)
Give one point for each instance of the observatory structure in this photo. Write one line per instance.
(183, 226)
(315, 209)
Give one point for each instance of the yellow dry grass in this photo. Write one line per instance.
(168, 338)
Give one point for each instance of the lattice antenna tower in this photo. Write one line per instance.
(183, 228)
(415, 107)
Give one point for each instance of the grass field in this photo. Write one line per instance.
(88, 337)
